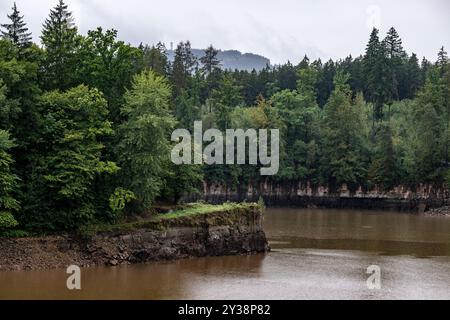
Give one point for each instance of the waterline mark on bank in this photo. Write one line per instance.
(235, 143)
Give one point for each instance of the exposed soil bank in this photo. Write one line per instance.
(337, 202)
(233, 232)
(400, 198)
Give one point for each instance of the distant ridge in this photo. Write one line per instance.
(233, 59)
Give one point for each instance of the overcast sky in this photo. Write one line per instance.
(278, 29)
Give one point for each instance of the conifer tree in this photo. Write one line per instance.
(425, 66)
(395, 57)
(16, 31)
(393, 44)
(59, 37)
(374, 68)
(442, 60)
(155, 58)
(210, 61)
(413, 79)
(183, 66)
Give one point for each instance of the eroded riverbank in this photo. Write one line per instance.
(316, 254)
(227, 230)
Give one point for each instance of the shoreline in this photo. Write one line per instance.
(235, 230)
(411, 205)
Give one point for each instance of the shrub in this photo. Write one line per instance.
(7, 221)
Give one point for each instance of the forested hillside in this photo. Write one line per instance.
(85, 120)
(231, 59)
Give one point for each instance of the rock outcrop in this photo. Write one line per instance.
(215, 234)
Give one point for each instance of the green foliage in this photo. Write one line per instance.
(343, 136)
(119, 199)
(300, 115)
(182, 68)
(108, 65)
(8, 180)
(68, 158)
(60, 39)
(182, 179)
(16, 31)
(7, 221)
(143, 148)
(224, 99)
(209, 61)
(383, 170)
(100, 146)
(15, 233)
(189, 215)
(155, 58)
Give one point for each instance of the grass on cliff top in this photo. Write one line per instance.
(187, 216)
(202, 208)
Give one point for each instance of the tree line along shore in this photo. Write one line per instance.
(85, 121)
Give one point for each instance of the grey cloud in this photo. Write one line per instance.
(280, 30)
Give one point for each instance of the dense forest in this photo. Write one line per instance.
(86, 121)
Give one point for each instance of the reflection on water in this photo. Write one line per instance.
(389, 233)
(316, 254)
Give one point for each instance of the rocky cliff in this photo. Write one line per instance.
(400, 198)
(234, 232)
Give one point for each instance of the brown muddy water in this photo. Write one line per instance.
(316, 254)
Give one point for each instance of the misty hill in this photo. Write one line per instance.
(233, 59)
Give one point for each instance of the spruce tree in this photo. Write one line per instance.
(393, 44)
(183, 65)
(425, 66)
(413, 77)
(59, 37)
(178, 77)
(395, 58)
(442, 60)
(16, 31)
(210, 61)
(210, 69)
(371, 67)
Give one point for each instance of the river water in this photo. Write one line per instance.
(316, 254)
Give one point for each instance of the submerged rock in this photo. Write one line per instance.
(441, 211)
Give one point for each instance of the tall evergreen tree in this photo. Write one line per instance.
(210, 69)
(393, 44)
(425, 66)
(442, 60)
(182, 68)
(209, 60)
(325, 82)
(413, 80)
(16, 31)
(374, 69)
(395, 57)
(287, 76)
(59, 37)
